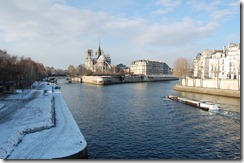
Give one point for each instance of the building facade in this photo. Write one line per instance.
(99, 62)
(218, 64)
(147, 67)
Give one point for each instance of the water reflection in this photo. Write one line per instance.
(140, 86)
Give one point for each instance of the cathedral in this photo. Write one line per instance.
(99, 63)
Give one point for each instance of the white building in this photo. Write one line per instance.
(223, 64)
(233, 56)
(201, 64)
(147, 67)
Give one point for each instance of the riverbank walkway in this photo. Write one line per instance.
(39, 125)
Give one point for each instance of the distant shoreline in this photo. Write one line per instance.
(108, 80)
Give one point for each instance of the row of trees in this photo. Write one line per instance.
(21, 70)
(81, 70)
(78, 71)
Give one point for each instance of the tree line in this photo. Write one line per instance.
(23, 71)
(81, 70)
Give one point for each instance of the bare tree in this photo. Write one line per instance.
(86, 71)
(8, 69)
(71, 70)
(48, 71)
(40, 70)
(182, 67)
(27, 72)
(80, 70)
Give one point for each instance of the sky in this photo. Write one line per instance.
(58, 32)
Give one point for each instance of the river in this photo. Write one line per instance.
(134, 121)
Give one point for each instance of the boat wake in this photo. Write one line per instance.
(229, 114)
(226, 113)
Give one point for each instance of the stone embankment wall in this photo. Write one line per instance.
(229, 84)
(221, 87)
(105, 80)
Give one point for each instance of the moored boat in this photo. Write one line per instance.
(202, 104)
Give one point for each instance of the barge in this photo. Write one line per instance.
(201, 104)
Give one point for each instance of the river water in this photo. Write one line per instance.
(134, 121)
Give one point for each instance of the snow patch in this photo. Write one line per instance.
(7, 147)
(42, 111)
(21, 95)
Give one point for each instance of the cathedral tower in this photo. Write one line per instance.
(89, 59)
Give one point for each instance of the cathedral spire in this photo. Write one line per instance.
(99, 49)
(99, 42)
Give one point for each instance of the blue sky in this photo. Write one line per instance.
(58, 32)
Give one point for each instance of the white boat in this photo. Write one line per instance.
(202, 104)
(208, 104)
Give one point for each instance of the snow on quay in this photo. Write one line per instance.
(38, 125)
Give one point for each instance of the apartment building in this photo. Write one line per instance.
(223, 64)
(147, 67)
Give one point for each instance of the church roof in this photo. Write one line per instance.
(102, 58)
(107, 56)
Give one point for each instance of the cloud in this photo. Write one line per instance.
(177, 33)
(30, 5)
(203, 5)
(47, 29)
(219, 14)
(59, 21)
(233, 8)
(215, 9)
(166, 6)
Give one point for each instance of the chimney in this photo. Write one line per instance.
(224, 49)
